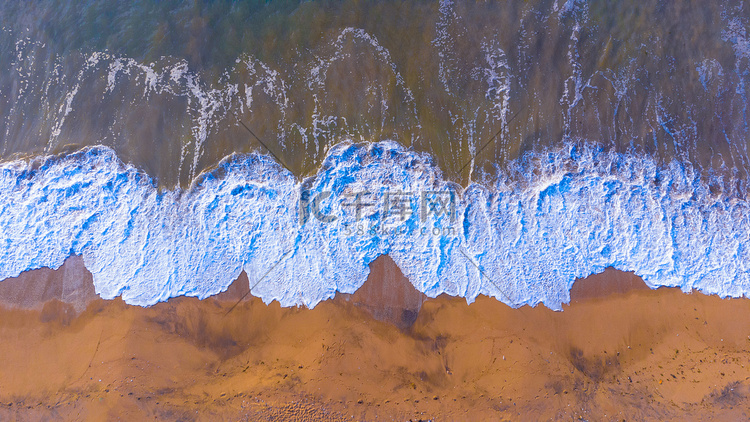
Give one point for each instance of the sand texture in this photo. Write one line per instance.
(620, 353)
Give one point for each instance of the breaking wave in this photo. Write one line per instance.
(524, 237)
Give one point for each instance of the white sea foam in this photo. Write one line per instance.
(552, 218)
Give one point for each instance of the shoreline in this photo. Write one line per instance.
(522, 241)
(629, 354)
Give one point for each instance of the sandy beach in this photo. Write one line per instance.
(619, 351)
(261, 155)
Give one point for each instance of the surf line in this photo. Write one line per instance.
(283, 163)
(481, 271)
(250, 289)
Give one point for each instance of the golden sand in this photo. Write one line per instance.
(630, 354)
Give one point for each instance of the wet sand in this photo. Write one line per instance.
(620, 353)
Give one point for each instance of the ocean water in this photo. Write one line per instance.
(497, 149)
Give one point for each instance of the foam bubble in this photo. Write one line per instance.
(525, 239)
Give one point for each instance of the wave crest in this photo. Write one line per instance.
(523, 238)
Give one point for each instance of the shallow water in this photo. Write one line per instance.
(579, 135)
(165, 84)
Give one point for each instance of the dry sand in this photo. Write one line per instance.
(623, 352)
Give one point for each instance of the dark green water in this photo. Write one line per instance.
(667, 79)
